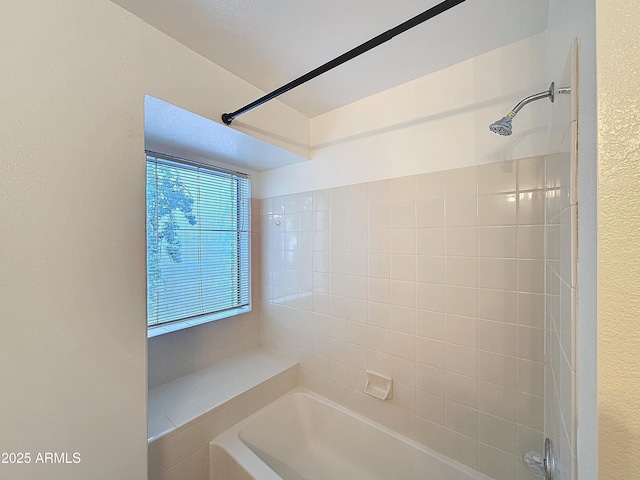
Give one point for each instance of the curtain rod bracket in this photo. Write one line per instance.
(227, 118)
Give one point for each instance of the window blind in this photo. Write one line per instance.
(198, 240)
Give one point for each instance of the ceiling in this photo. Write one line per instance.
(268, 43)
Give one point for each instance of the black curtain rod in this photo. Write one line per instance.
(227, 118)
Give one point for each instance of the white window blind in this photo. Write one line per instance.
(198, 240)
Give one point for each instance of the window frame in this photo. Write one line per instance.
(180, 324)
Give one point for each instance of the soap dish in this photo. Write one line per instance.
(379, 386)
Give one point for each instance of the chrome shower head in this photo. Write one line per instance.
(502, 126)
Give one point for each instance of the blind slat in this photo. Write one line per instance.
(198, 247)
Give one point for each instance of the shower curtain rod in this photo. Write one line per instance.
(227, 118)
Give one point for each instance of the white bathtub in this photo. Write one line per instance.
(303, 436)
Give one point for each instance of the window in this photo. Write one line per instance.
(198, 243)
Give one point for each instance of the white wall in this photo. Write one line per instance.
(437, 122)
(570, 19)
(72, 262)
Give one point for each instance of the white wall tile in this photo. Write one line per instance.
(403, 345)
(432, 279)
(430, 324)
(531, 242)
(402, 293)
(461, 389)
(430, 213)
(462, 241)
(498, 305)
(461, 448)
(430, 352)
(431, 269)
(403, 319)
(461, 330)
(497, 337)
(402, 241)
(430, 407)
(461, 301)
(431, 241)
(461, 211)
(403, 267)
(498, 369)
(497, 432)
(531, 276)
(378, 314)
(497, 209)
(461, 271)
(461, 360)
(379, 265)
(530, 410)
(498, 401)
(531, 309)
(430, 380)
(531, 208)
(531, 173)
(403, 215)
(379, 215)
(531, 377)
(430, 434)
(461, 419)
(531, 344)
(403, 370)
(499, 242)
(498, 274)
(358, 216)
(496, 463)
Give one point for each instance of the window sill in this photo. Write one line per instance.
(174, 327)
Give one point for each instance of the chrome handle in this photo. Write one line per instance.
(549, 460)
(541, 466)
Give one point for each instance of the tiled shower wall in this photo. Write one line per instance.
(182, 352)
(560, 379)
(561, 213)
(436, 280)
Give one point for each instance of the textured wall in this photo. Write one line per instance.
(618, 235)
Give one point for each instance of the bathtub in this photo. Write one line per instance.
(303, 436)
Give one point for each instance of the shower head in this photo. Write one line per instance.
(503, 126)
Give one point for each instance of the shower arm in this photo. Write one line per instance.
(537, 96)
(504, 127)
(434, 11)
